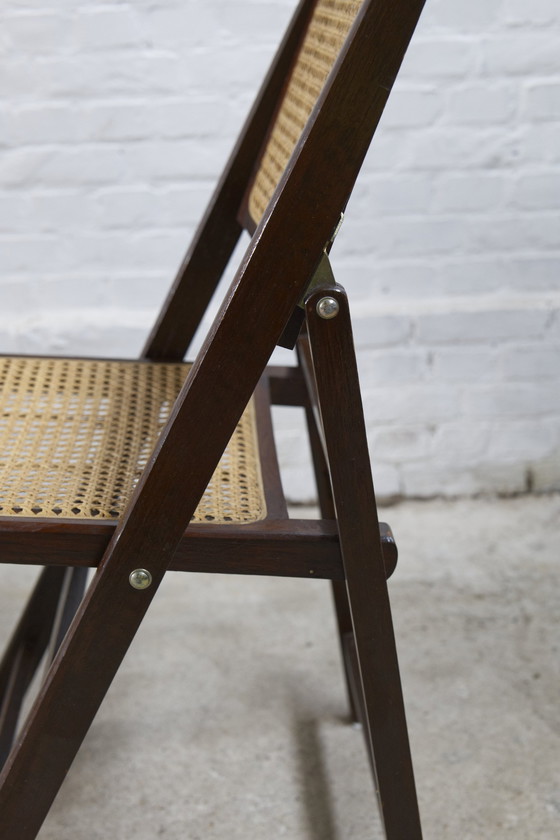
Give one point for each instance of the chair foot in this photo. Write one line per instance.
(372, 658)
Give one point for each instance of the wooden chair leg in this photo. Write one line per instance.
(354, 498)
(71, 594)
(77, 681)
(345, 631)
(326, 504)
(25, 650)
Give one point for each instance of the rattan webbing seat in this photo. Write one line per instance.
(133, 468)
(76, 435)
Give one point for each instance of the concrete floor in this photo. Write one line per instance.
(228, 717)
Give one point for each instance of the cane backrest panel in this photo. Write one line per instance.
(325, 35)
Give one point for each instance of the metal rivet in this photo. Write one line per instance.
(140, 579)
(327, 308)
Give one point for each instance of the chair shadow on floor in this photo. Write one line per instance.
(315, 784)
(327, 804)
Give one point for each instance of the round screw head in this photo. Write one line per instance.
(140, 579)
(327, 308)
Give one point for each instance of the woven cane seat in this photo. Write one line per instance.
(75, 436)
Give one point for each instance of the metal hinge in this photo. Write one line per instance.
(323, 275)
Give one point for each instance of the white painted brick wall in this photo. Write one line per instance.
(116, 118)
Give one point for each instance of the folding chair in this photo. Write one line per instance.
(136, 467)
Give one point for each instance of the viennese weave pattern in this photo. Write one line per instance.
(327, 30)
(76, 434)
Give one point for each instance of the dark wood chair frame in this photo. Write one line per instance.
(347, 545)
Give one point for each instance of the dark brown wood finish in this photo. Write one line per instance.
(220, 229)
(283, 548)
(354, 498)
(71, 594)
(39, 633)
(276, 507)
(287, 386)
(25, 651)
(277, 267)
(326, 503)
